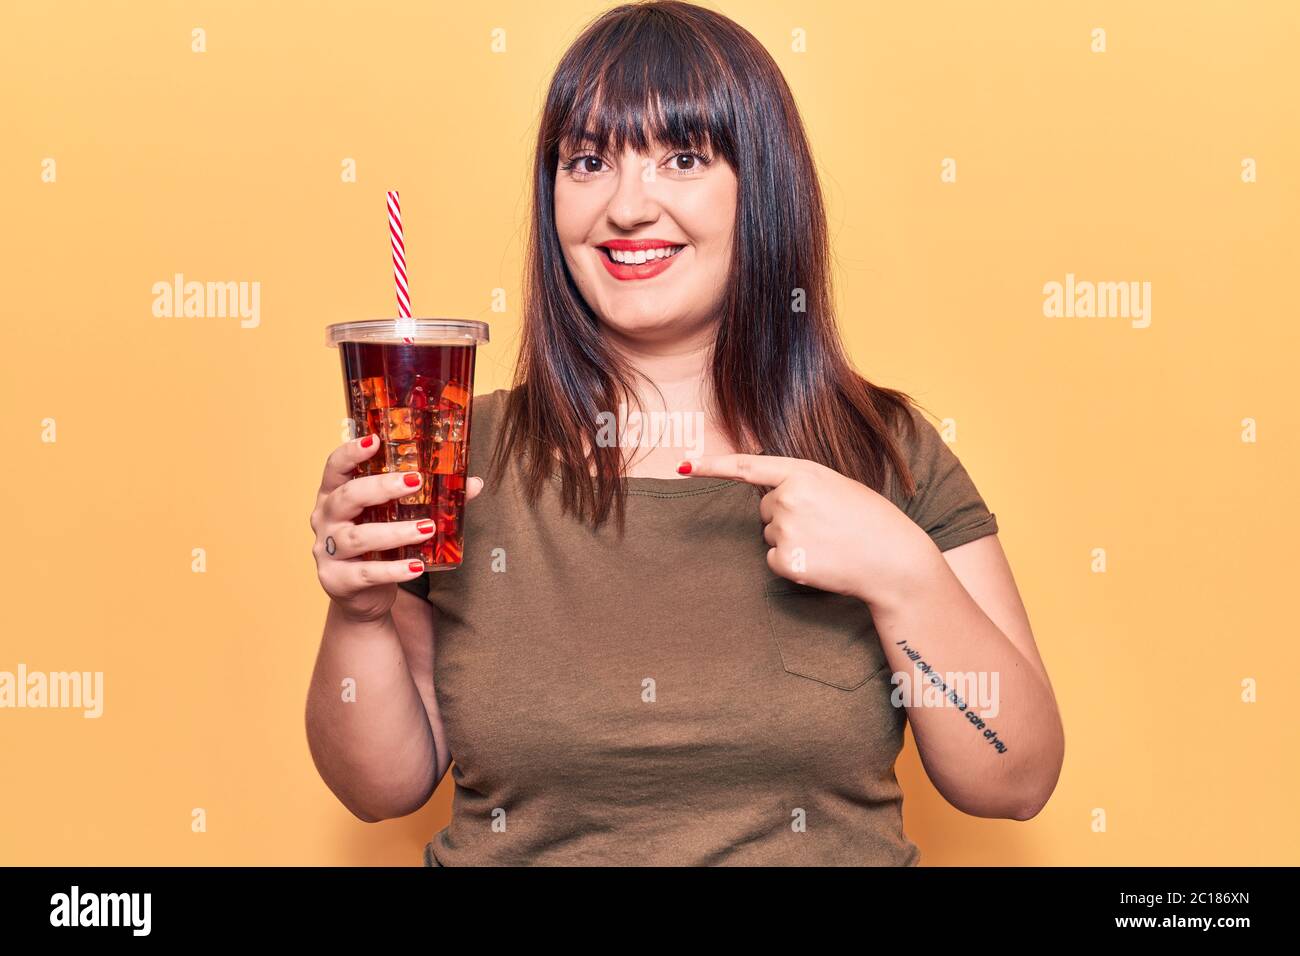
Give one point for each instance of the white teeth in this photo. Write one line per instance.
(644, 255)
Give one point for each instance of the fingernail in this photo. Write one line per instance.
(684, 468)
(412, 479)
(367, 441)
(425, 527)
(416, 566)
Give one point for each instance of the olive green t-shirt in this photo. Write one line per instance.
(666, 699)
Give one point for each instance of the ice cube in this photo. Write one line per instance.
(451, 421)
(396, 424)
(405, 456)
(447, 458)
(356, 400)
(422, 391)
(375, 392)
(457, 393)
(421, 424)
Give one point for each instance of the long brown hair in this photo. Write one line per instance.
(684, 76)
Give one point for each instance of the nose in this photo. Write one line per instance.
(632, 203)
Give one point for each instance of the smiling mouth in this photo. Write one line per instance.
(640, 257)
(638, 264)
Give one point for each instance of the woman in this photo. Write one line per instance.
(636, 667)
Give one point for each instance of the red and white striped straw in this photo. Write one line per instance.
(399, 255)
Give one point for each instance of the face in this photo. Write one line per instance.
(668, 215)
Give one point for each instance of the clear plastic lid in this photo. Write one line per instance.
(404, 331)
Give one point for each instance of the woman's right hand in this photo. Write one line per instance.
(364, 590)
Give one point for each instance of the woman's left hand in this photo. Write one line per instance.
(825, 530)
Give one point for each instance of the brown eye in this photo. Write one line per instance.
(581, 167)
(688, 162)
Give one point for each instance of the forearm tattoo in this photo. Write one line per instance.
(937, 680)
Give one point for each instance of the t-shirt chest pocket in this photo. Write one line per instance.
(823, 636)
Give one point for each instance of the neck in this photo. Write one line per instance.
(669, 374)
(671, 416)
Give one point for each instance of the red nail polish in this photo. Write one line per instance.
(416, 566)
(425, 527)
(684, 468)
(411, 479)
(367, 441)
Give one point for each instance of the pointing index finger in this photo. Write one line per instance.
(766, 470)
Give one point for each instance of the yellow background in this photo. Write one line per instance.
(177, 433)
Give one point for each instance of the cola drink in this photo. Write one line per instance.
(409, 382)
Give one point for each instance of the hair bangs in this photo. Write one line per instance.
(654, 87)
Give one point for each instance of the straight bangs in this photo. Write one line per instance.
(645, 89)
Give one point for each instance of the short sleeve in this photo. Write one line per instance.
(946, 504)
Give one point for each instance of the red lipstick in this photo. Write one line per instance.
(646, 270)
(632, 245)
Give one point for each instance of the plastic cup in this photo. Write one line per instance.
(409, 382)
